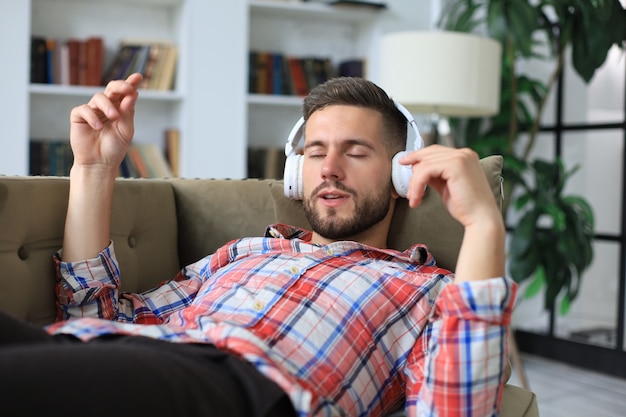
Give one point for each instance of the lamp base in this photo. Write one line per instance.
(439, 132)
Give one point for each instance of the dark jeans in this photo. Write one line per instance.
(127, 375)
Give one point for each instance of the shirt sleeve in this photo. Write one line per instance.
(457, 368)
(91, 288)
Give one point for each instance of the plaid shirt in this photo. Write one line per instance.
(344, 328)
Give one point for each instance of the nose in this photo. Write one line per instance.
(332, 168)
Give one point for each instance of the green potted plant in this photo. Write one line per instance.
(552, 243)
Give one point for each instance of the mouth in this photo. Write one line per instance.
(333, 198)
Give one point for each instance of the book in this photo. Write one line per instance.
(167, 76)
(94, 55)
(50, 157)
(149, 69)
(51, 64)
(138, 162)
(172, 150)
(73, 46)
(352, 68)
(309, 71)
(82, 63)
(266, 162)
(38, 60)
(155, 159)
(145, 160)
(252, 73)
(263, 69)
(300, 86)
(121, 63)
(64, 63)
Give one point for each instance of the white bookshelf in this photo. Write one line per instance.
(210, 105)
(207, 68)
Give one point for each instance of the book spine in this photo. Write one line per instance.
(94, 58)
(172, 150)
(38, 60)
(300, 86)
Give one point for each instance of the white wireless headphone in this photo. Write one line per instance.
(400, 174)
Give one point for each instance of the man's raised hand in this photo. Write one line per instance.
(102, 129)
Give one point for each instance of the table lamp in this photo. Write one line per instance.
(441, 74)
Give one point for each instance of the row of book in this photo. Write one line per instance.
(266, 162)
(275, 73)
(81, 62)
(143, 160)
(66, 62)
(155, 60)
(280, 74)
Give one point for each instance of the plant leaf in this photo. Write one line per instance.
(537, 283)
(565, 305)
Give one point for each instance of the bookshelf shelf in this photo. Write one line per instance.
(307, 10)
(274, 100)
(86, 92)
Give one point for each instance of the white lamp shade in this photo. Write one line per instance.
(449, 73)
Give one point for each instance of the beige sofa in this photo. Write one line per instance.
(160, 225)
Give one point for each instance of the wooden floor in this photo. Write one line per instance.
(566, 391)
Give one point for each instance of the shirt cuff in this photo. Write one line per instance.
(489, 300)
(80, 275)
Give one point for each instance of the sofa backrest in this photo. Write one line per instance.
(158, 226)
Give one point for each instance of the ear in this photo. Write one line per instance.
(394, 193)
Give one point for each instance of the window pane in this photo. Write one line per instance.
(600, 101)
(593, 315)
(599, 154)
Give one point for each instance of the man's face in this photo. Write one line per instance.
(346, 172)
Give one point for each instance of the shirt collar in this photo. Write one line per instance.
(416, 254)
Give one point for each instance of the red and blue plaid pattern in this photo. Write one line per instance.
(344, 329)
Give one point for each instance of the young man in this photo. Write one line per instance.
(323, 322)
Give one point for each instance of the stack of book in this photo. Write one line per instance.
(155, 60)
(68, 62)
(143, 160)
(50, 157)
(275, 73)
(266, 163)
(80, 62)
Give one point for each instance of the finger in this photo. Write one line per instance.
(116, 90)
(86, 114)
(127, 103)
(134, 79)
(102, 105)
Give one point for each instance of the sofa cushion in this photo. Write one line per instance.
(430, 223)
(144, 231)
(213, 212)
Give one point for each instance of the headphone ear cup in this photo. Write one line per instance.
(400, 175)
(293, 177)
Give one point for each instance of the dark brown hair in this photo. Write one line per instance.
(355, 91)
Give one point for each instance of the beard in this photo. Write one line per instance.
(368, 211)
